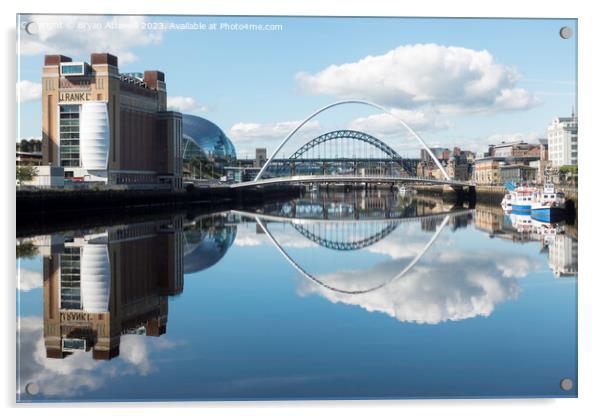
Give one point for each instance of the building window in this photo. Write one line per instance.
(73, 69)
(71, 279)
(69, 135)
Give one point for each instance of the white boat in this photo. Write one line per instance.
(521, 199)
(548, 205)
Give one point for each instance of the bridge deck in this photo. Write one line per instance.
(347, 179)
(309, 221)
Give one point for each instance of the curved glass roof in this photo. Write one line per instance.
(210, 139)
(204, 248)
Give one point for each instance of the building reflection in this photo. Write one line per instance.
(99, 285)
(104, 283)
(360, 205)
(206, 241)
(558, 239)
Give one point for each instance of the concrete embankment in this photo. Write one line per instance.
(490, 194)
(36, 208)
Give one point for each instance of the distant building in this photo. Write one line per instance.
(457, 163)
(103, 126)
(458, 168)
(241, 173)
(261, 155)
(518, 173)
(543, 149)
(440, 153)
(486, 170)
(562, 141)
(514, 149)
(28, 159)
(47, 177)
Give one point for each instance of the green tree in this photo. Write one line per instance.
(26, 173)
(569, 174)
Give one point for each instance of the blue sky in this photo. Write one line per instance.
(255, 85)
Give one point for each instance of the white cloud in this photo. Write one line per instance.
(449, 78)
(28, 91)
(385, 125)
(248, 136)
(186, 104)
(515, 99)
(78, 36)
(268, 131)
(29, 279)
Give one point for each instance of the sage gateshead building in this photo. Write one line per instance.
(103, 126)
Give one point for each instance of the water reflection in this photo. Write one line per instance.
(102, 284)
(418, 260)
(206, 241)
(558, 240)
(406, 285)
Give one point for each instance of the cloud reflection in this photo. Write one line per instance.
(78, 373)
(450, 286)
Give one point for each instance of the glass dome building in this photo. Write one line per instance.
(206, 150)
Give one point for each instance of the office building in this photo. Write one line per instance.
(562, 141)
(261, 156)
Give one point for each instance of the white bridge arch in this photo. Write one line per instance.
(318, 282)
(263, 219)
(343, 102)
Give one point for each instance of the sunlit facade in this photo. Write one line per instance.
(103, 126)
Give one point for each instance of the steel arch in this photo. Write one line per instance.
(317, 281)
(347, 134)
(363, 102)
(344, 245)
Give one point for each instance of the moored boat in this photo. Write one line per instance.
(522, 198)
(549, 205)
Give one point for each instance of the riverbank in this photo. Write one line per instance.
(53, 209)
(488, 194)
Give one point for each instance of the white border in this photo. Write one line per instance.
(589, 133)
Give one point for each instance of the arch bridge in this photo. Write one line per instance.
(348, 156)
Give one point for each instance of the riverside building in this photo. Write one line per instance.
(103, 126)
(562, 141)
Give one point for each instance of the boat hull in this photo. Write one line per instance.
(548, 214)
(521, 208)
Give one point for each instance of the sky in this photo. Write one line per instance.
(457, 82)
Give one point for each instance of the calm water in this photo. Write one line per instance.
(327, 296)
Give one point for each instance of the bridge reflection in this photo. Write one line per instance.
(102, 283)
(354, 221)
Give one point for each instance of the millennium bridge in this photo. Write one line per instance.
(349, 157)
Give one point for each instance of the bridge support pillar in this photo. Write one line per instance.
(466, 194)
